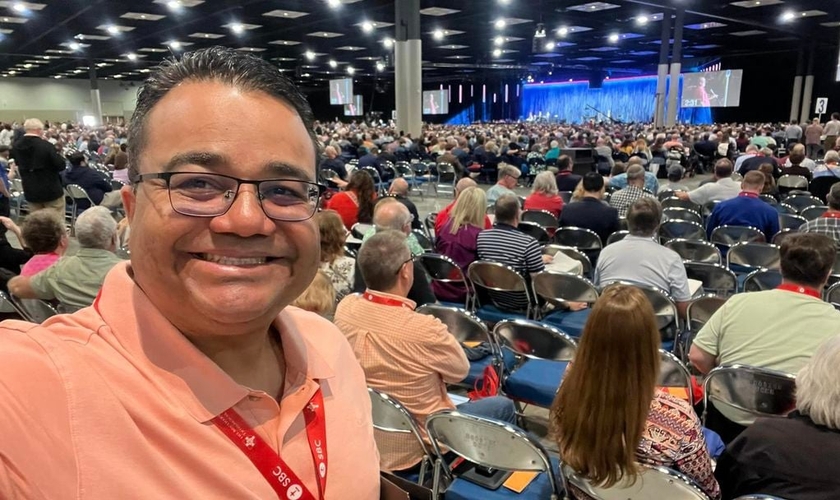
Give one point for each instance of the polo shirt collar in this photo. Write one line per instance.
(151, 342)
(502, 225)
(391, 297)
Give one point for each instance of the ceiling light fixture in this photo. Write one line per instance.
(500, 23)
(499, 40)
(19, 7)
(437, 34)
(131, 56)
(309, 55)
(540, 32)
(613, 38)
(112, 30)
(563, 31)
(367, 26)
(74, 46)
(788, 16)
(642, 20)
(351, 70)
(549, 46)
(388, 43)
(333, 64)
(237, 28)
(497, 52)
(174, 5)
(334, 3)
(380, 66)
(175, 44)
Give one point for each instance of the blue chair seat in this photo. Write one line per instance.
(540, 488)
(477, 367)
(536, 381)
(571, 322)
(493, 314)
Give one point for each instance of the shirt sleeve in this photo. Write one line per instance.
(693, 460)
(446, 356)
(678, 280)
(41, 283)
(708, 338)
(533, 258)
(700, 195)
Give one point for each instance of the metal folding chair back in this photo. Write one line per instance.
(652, 483)
(667, 318)
(681, 229)
(754, 255)
(753, 392)
(780, 237)
(488, 443)
(814, 212)
(791, 221)
(423, 240)
(677, 213)
(716, 279)
(695, 251)
(543, 218)
(762, 279)
(673, 373)
(7, 306)
(359, 229)
(34, 310)
(429, 224)
(559, 288)
(535, 340)
(461, 324)
(832, 295)
(446, 178)
(617, 236)
(578, 237)
(535, 231)
(572, 253)
(700, 310)
(496, 277)
(802, 201)
(790, 182)
(731, 235)
(675, 202)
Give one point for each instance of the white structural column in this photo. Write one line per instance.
(797, 86)
(408, 70)
(95, 100)
(676, 67)
(662, 75)
(807, 93)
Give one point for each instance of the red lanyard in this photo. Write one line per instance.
(831, 214)
(748, 194)
(799, 289)
(279, 475)
(385, 301)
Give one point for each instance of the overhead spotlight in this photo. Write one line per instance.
(437, 34)
(305, 75)
(175, 44)
(74, 46)
(112, 30)
(131, 56)
(563, 31)
(613, 38)
(174, 4)
(388, 43)
(504, 2)
(333, 64)
(499, 40)
(500, 23)
(237, 28)
(309, 55)
(19, 7)
(350, 70)
(380, 66)
(788, 16)
(540, 32)
(549, 46)
(367, 26)
(334, 3)
(642, 20)
(497, 52)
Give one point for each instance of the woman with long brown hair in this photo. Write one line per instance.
(355, 203)
(608, 415)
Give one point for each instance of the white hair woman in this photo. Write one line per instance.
(544, 195)
(793, 457)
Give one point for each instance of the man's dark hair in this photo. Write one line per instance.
(644, 217)
(76, 159)
(506, 208)
(592, 182)
(835, 116)
(723, 168)
(220, 64)
(833, 197)
(124, 147)
(42, 231)
(564, 162)
(807, 258)
(3, 149)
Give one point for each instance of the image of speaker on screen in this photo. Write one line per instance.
(435, 102)
(341, 91)
(712, 89)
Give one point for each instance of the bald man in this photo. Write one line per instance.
(443, 215)
(399, 190)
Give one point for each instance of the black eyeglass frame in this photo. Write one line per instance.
(167, 176)
(410, 259)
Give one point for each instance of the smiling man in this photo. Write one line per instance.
(190, 377)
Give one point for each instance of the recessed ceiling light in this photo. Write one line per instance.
(112, 30)
(788, 16)
(237, 28)
(334, 3)
(500, 23)
(563, 31)
(175, 44)
(309, 55)
(74, 46)
(549, 46)
(388, 42)
(131, 56)
(173, 4)
(333, 64)
(19, 6)
(350, 70)
(497, 52)
(613, 38)
(367, 26)
(499, 40)
(380, 66)
(437, 34)
(641, 20)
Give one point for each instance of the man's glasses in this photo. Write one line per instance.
(199, 194)
(412, 259)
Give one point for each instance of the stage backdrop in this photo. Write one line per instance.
(623, 99)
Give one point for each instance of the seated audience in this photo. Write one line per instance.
(332, 161)
(591, 212)
(793, 457)
(619, 180)
(746, 209)
(458, 239)
(319, 297)
(355, 203)
(544, 195)
(338, 267)
(566, 180)
(443, 215)
(75, 279)
(765, 155)
(391, 215)
(770, 187)
(675, 175)
(623, 198)
(794, 165)
(399, 191)
(798, 157)
(44, 235)
(829, 222)
(723, 188)
(94, 183)
(776, 329)
(121, 164)
(505, 244)
(639, 258)
(508, 178)
(405, 354)
(12, 260)
(830, 166)
(636, 423)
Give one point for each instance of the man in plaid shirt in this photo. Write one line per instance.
(829, 222)
(623, 198)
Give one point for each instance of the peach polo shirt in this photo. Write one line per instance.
(113, 402)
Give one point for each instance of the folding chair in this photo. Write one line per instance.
(791, 221)
(697, 314)
(667, 316)
(780, 237)
(423, 240)
(535, 231)
(578, 237)
(429, 224)
(566, 196)
(726, 236)
(617, 236)
(766, 198)
(675, 202)
(652, 483)
(34, 310)
(684, 214)
(503, 283)
(784, 208)
(745, 257)
(76, 193)
(390, 416)
(572, 253)
(326, 175)
(681, 229)
(446, 178)
(788, 183)
(543, 218)
(359, 229)
(558, 289)
(673, 373)
(802, 201)
(716, 279)
(492, 445)
(380, 185)
(695, 251)
(442, 269)
(814, 212)
(762, 279)
(747, 392)
(8, 307)
(542, 356)
(821, 186)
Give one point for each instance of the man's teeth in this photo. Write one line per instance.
(233, 261)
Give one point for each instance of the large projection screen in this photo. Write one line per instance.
(435, 102)
(712, 89)
(355, 108)
(341, 91)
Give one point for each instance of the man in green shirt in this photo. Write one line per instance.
(75, 279)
